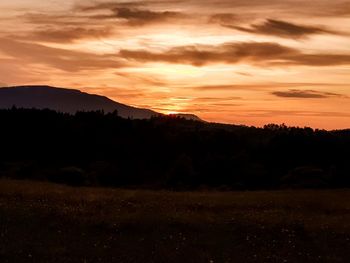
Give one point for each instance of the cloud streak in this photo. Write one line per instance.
(67, 60)
(283, 29)
(259, 53)
(230, 53)
(133, 13)
(264, 86)
(69, 34)
(139, 17)
(306, 94)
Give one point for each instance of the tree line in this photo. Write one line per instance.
(102, 149)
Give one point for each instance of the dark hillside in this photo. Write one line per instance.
(66, 100)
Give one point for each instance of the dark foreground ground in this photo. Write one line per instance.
(51, 223)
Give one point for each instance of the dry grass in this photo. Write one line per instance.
(42, 222)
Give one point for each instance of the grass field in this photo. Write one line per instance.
(42, 222)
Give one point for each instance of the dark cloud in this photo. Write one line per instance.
(141, 17)
(63, 59)
(69, 34)
(306, 94)
(107, 6)
(127, 15)
(223, 19)
(202, 55)
(259, 53)
(283, 29)
(129, 4)
(133, 13)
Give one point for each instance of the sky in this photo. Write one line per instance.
(233, 61)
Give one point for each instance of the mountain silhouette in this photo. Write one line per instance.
(66, 100)
(71, 101)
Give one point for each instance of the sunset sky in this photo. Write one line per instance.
(247, 62)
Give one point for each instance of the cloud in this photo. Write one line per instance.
(202, 55)
(138, 17)
(242, 7)
(67, 60)
(277, 113)
(140, 78)
(258, 53)
(223, 18)
(69, 34)
(306, 94)
(65, 20)
(107, 6)
(116, 92)
(262, 86)
(283, 29)
(225, 87)
(130, 12)
(316, 60)
(216, 99)
(14, 71)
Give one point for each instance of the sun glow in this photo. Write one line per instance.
(227, 61)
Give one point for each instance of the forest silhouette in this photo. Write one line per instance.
(165, 152)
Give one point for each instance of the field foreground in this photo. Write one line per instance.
(42, 222)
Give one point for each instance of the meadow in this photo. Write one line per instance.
(44, 222)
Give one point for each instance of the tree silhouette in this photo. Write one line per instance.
(97, 148)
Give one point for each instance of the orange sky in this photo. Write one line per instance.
(235, 61)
